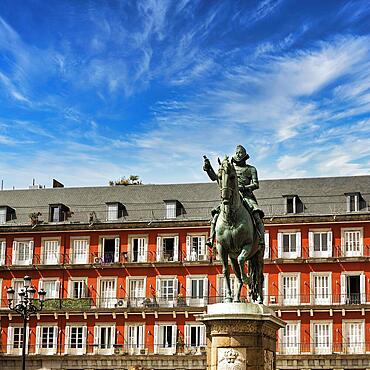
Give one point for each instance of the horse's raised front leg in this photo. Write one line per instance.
(225, 271)
(239, 282)
(241, 260)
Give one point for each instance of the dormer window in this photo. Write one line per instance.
(6, 213)
(293, 204)
(58, 212)
(173, 208)
(114, 210)
(354, 202)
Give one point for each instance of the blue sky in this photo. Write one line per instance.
(95, 90)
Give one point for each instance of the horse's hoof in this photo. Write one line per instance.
(228, 300)
(237, 301)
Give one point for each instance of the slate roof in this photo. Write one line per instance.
(320, 196)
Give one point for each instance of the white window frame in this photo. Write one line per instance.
(46, 259)
(194, 256)
(319, 349)
(167, 301)
(353, 253)
(134, 299)
(112, 211)
(97, 334)
(357, 202)
(265, 288)
(142, 246)
(160, 247)
(171, 209)
(295, 340)
(72, 280)
(10, 350)
(321, 300)
(343, 287)
(294, 198)
(56, 294)
(196, 302)
(2, 252)
(266, 255)
(117, 247)
(357, 347)
(290, 301)
(67, 340)
(311, 243)
(221, 286)
(46, 351)
(289, 255)
(3, 215)
(15, 251)
(107, 302)
(158, 338)
(138, 338)
(72, 252)
(201, 341)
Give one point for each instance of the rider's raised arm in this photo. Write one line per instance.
(208, 168)
(254, 184)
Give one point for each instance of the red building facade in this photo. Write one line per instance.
(126, 271)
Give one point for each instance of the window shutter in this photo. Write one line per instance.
(203, 335)
(175, 287)
(362, 289)
(188, 249)
(14, 254)
(57, 288)
(159, 248)
(10, 340)
(113, 337)
(55, 339)
(96, 338)
(267, 246)
(202, 246)
(310, 244)
(141, 336)
(145, 256)
(41, 286)
(176, 248)
(30, 246)
(156, 338)
(84, 338)
(66, 339)
(2, 252)
(280, 244)
(299, 244)
(38, 339)
(188, 289)
(116, 250)
(158, 287)
(330, 244)
(343, 289)
(205, 290)
(174, 338)
(187, 336)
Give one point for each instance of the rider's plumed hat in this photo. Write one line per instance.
(241, 154)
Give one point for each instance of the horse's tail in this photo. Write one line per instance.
(255, 268)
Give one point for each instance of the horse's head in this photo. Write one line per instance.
(228, 181)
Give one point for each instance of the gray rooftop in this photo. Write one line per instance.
(320, 196)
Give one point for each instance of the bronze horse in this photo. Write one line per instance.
(237, 238)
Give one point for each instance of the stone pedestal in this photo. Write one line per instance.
(240, 336)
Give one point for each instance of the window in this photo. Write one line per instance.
(104, 339)
(354, 336)
(171, 209)
(167, 291)
(51, 287)
(196, 290)
(165, 336)
(196, 248)
(290, 289)
(108, 293)
(3, 214)
(222, 288)
(22, 252)
(134, 338)
(138, 251)
(75, 340)
(79, 253)
(290, 338)
(77, 288)
(195, 335)
(353, 288)
(2, 252)
(266, 254)
(322, 337)
(320, 243)
(58, 212)
(352, 242)
(110, 250)
(321, 288)
(17, 286)
(355, 202)
(46, 339)
(15, 339)
(293, 204)
(50, 252)
(167, 248)
(136, 291)
(289, 244)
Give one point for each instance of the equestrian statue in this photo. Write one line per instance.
(237, 226)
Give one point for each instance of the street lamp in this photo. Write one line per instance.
(25, 307)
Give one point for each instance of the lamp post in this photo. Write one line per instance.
(25, 307)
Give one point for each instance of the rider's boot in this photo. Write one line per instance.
(211, 240)
(260, 227)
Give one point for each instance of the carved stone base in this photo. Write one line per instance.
(240, 336)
